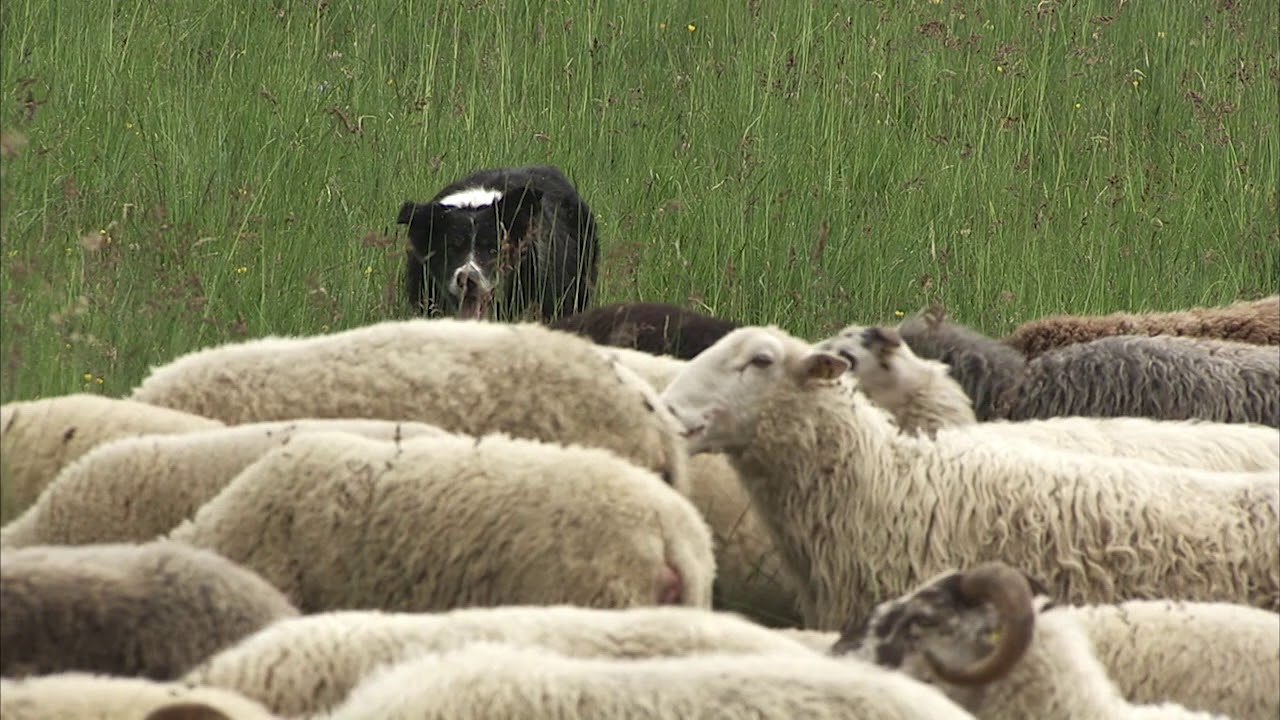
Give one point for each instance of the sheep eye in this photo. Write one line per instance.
(761, 361)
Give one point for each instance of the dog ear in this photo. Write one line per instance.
(412, 213)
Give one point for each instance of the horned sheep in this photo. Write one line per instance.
(500, 680)
(309, 664)
(922, 397)
(339, 521)
(862, 510)
(985, 640)
(1248, 321)
(138, 488)
(85, 696)
(655, 328)
(463, 376)
(40, 437)
(1168, 378)
(153, 610)
(750, 576)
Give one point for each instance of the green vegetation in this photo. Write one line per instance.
(178, 174)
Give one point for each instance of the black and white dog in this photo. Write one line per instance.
(502, 241)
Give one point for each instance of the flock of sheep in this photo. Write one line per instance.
(641, 512)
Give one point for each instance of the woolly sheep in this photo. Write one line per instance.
(139, 488)
(750, 575)
(153, 610)
(310, 664)
(1219, 657)
(862, 511)
(464, 376)
(923, 397)
(656, 328)
(920, 394)
(500, 680)
(1164, 378)
(84, 696)
(1248, 321)
(339, 521)
(39, 437)
(981, 638)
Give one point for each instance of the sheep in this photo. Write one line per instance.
(655, 328)
(309, 664)
(85, 696)
(1250, 321)
(750, 576)
(463, 376)
(500, 680)
(996, 650)
(863, 511)
(922, 397)
(153, 609)
(920, 394)
(521, 236)
(139, 488)
(39, 437)
(339, 521)
(986, 369)
(1167, 378)
(1221, 657)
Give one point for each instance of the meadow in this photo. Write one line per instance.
(179, 174)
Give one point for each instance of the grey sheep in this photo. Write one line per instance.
(464, 376)
(138, 488)
(339, 521)
(40, 437)
(152, 610)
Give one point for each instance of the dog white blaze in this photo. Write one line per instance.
(474, 197)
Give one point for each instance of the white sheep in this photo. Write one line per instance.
(139, 488)
(84, 696)
(863, 511)
(309, 664)
(497, 680)
(339, 521)
(979, 637)
(464, 376)
(39, 437)
(1219, 657)
(153, 610)
(750, 575)
(922, 396)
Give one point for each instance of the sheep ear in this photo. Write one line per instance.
(187, 711)
(821, 365)
(884, 336)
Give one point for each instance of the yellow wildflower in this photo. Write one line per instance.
(692, 27)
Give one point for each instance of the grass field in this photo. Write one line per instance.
(178, 174)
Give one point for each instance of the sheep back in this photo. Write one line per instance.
(39, 437)
(502, 680)
(1155, 377)
(657, 328)
(85, 696)
(153, 610)
(464, 376)
(1255, 322)
(309, 664)
(339, 521)
(137, 488)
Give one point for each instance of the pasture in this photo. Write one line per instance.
(179, 174)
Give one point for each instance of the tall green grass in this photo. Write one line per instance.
(178, 174)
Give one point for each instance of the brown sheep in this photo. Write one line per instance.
(655, 328)
(1251, 321)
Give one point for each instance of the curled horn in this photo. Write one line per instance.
(1008, 590)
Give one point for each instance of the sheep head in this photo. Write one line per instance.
(718, 395)
(963, 630)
